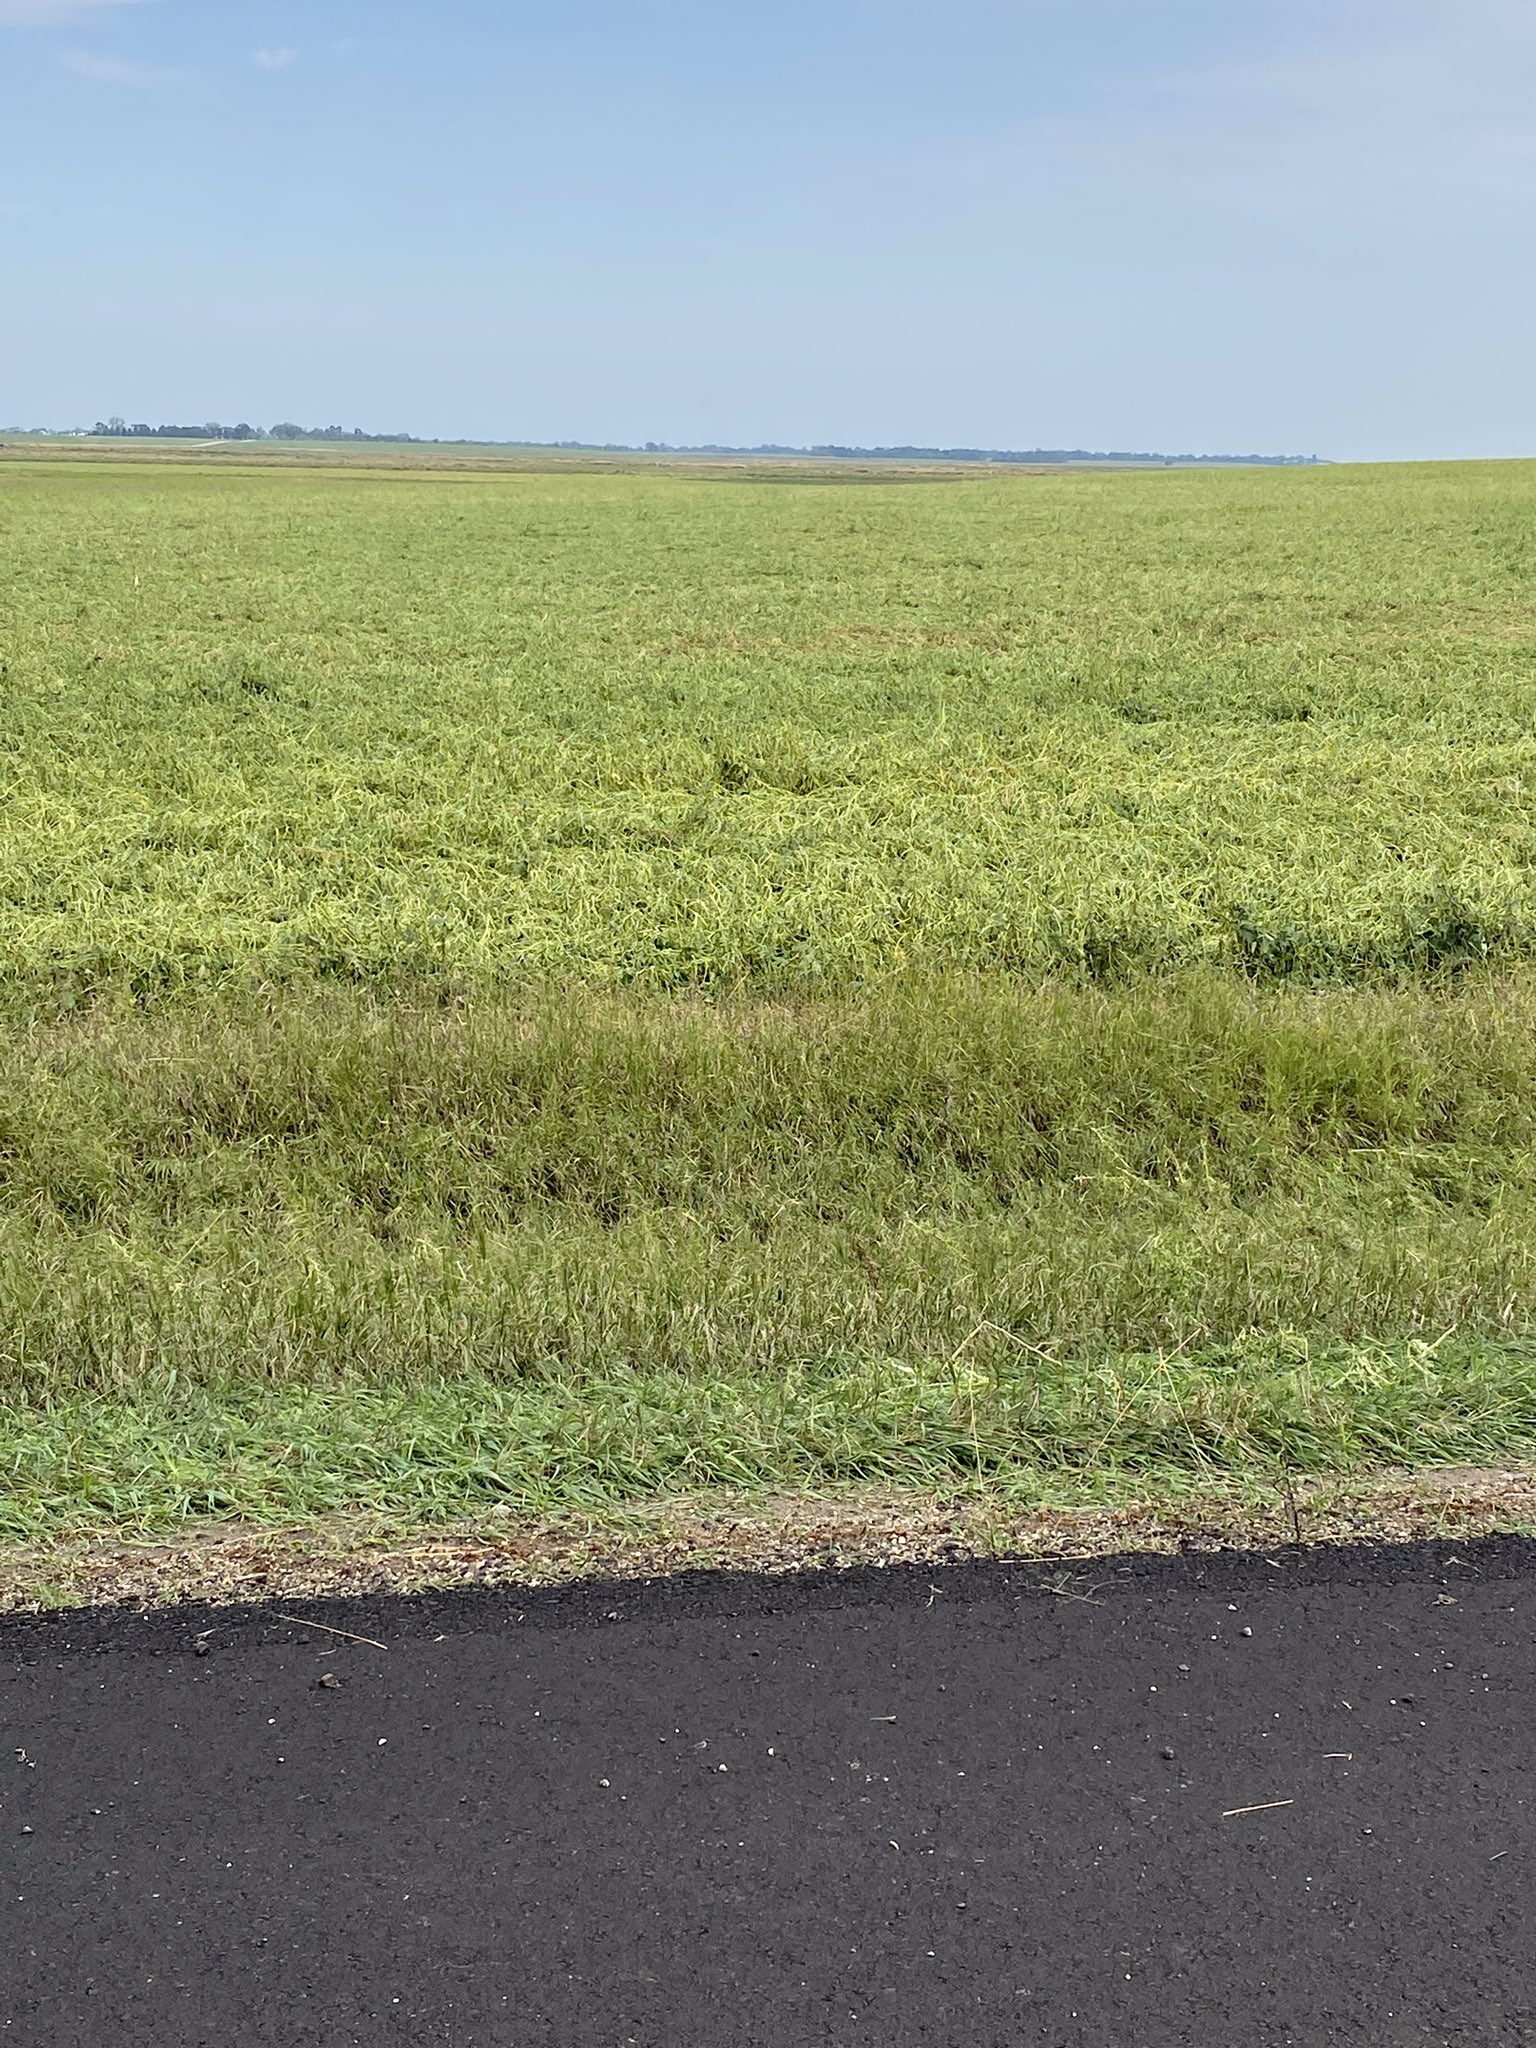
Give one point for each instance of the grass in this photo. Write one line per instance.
(270, 726)
(262, 1253)
(543, 990)
(444, 1449)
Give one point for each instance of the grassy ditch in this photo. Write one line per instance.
(267, 1257)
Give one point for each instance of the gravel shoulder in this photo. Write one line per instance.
(781, 1533)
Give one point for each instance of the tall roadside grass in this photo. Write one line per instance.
(565, 1244)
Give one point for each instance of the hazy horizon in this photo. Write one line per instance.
(254, 432)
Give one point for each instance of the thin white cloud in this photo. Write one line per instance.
(274, 60)
(103, 70)
(55, 13)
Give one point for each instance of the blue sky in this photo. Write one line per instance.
(1282, 225)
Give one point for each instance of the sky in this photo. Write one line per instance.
(1283, 226)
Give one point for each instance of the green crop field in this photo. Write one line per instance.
(546, 987)
(675, 732)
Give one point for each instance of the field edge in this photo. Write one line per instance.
(770, 1533)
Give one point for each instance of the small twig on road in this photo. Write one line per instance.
(1267, 1806)
(1063, 1591)
(346, 1635)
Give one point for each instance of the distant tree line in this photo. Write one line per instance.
(212, 430)
(289, 430)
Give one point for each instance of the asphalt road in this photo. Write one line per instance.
(969, 1805)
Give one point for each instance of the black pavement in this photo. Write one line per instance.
(1212, 1800)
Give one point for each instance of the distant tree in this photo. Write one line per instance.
(213, 430)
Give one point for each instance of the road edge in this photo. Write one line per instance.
(764, 1534)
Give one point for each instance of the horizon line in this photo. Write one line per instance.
(825, 450)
